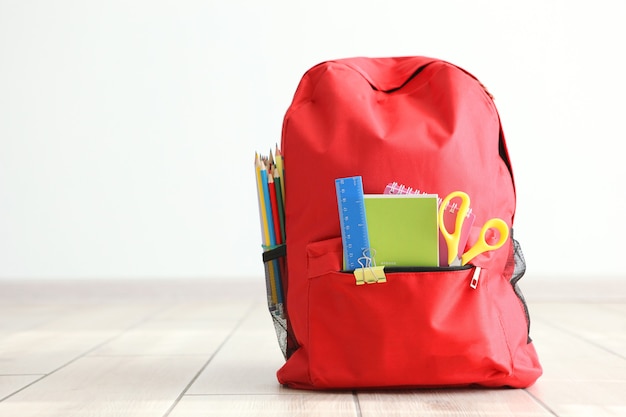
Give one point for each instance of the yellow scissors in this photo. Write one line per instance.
(452, 239)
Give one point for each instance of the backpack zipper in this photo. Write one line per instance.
(475, 277)
(396, 269)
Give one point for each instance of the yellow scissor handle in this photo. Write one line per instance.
(452, 239)
(481, 244)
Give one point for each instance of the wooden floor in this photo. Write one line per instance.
(195, 348)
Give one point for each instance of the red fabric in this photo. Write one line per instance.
(435, 129)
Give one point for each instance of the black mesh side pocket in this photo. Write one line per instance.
(276, 285)
(516, 267)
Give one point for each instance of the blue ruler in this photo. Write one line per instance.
(352, 219)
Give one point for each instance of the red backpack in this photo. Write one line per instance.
(430, 125)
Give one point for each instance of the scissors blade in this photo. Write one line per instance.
(456, 262)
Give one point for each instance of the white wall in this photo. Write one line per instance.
(127, 128)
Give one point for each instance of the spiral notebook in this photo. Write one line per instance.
(449, 218)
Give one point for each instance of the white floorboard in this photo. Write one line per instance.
(175, 348)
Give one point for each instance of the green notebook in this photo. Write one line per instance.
(403, 229)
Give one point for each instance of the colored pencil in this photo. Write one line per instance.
(274, 205)
(281, 171)
(280, 201)
(260, 193)
(268, 205)
(270, 278)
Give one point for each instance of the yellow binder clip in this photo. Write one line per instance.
(369, 273)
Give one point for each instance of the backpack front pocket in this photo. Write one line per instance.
(417, 329)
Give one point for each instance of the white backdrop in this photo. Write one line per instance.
(128, 128)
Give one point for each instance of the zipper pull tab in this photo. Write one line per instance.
(474, 281)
